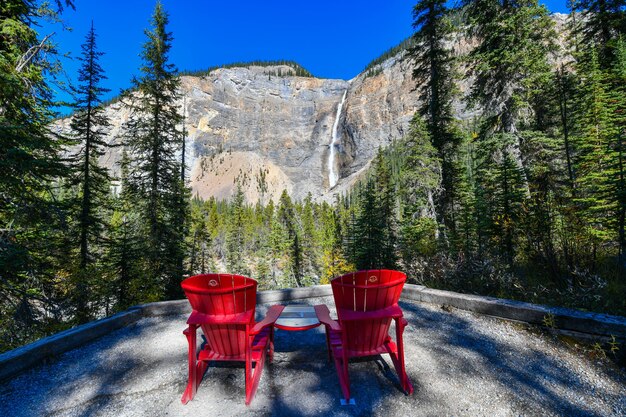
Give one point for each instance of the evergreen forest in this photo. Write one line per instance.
(526, 201)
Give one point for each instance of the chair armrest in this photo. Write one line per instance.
(390, 312)
(270, 318)
(190, 329)
(323, 315)
(201, 318)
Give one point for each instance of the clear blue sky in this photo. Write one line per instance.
(330, 38)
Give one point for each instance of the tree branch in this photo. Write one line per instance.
(31, 53)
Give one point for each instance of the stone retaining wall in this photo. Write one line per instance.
(593, 324)
(573, 322)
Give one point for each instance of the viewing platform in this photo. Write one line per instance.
(459, 361)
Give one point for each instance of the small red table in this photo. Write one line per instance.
(296, 318)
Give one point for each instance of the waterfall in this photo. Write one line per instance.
(333, 173)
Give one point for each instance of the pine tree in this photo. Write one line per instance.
(419, 183)
(265, 269)
(467, 231)
(310, 241)
(31, 220)
(507, 198)
(176, 248)
(387, 210)
(566, 88)
(154, 137)
(594, 126)
(123, 248)
(235, 238)
(346, 217)
(286, 216)
(550, 223)
(375, 227)
(261, 247)
(89, 125)
(334, 263)
(508, 63)
(602, 24)
(121, 257)
(368, 230)
(548, 219)
(619, 148)
(278, 243)
(434, 72)
(600, 131)
(199, 236)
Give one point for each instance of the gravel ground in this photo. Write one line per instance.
(458, 362)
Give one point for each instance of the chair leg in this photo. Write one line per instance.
(253, 378)
(248, 371)
(327, 331)
(200, 368)
(398, 359)
(192, 382)
(341, 365)
(271, 350)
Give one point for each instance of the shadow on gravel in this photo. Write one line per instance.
(307, 383)
(96, 371)
(527, 376)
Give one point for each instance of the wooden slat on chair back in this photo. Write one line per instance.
(367, 291)
(220, 295)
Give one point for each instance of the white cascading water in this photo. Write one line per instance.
(333, 173)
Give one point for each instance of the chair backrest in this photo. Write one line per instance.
(222, 295)
(367, 291)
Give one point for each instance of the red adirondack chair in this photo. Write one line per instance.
(223, 306)
(366, 303)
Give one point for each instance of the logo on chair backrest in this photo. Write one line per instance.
(213, 283)
(373, 278)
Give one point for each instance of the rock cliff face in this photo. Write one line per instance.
(248, 125)
(242, 121)
(377, 111)
(244, 124)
